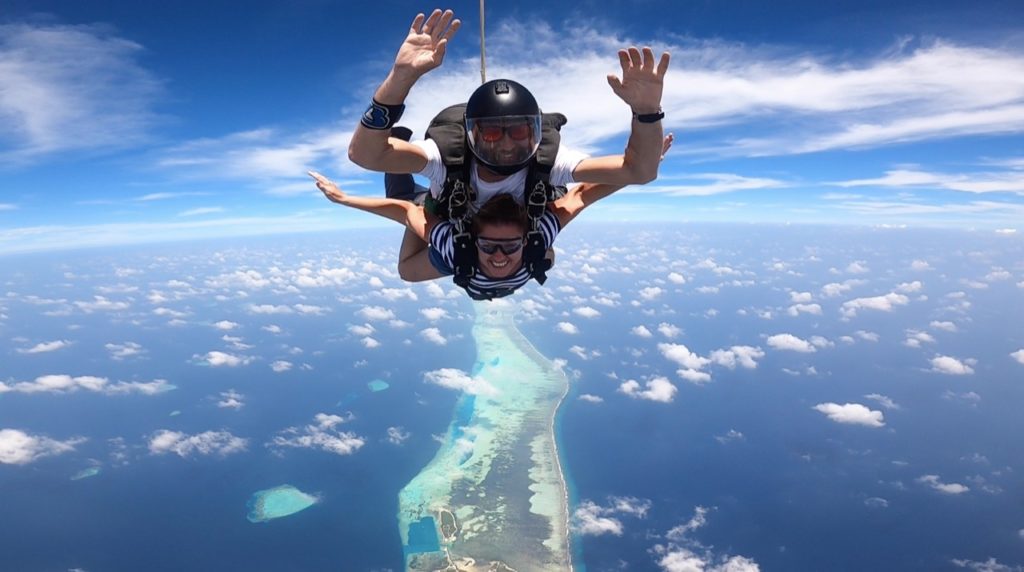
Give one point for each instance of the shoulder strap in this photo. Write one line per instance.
(539, 192)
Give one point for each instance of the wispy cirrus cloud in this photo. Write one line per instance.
(71, 88)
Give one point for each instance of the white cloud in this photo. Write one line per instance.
(797, 309)
(45, 347)
(731, 435)
(433, 335)
(370, 343)
(658, 389)
(910, 287)
(231, 399)
(682, 355)
(589, 520)
(121, 351)
(311, 310)
(676, 278)
(460, 381)
(789, 342)
(990, 565)
(219, 359)
(281, 366)
(641, 331)
(884, 303)
(650, 292)
(682, 553)
(434, 314)
(882, 400)
(375, 313)
(20, 448)
(201, 211)
(668, 330)
(269, 309)
(800, 297)
(947, 488)
(67, 384)
(323, 434)
(944, 326)
(1019, 356)
(225, 325)
(745, 356)
(363, 330)
(586, 312)
(71, 88)
(398, 435)
(951, 366)
(101, 304)
(207, 443)
(591, 398)
(567, 328)
(851, 413)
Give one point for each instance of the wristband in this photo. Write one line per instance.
(379, 116)
(649, 117)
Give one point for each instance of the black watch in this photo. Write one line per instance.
(649, 117)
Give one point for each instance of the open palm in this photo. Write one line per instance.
(425, 46)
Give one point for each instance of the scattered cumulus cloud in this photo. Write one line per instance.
(433, 335)
(231, 399)
(20, 448)
(851, 413)
(460, 381)
(45, 347)
(1018, 356)
(222, 359)
(744, 356)
(935, 483)
(398, 435)
(567, 328)
(668, 330)
(589, 398)
(375, 313)
(789, 342)
(657, 389)
(323, 434)
(123, 351)
(60, 384)
(220, 443)
(952, 366)
(586, 312)
(885, 303)
(281, 366)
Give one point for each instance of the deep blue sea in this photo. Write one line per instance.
(797, 491)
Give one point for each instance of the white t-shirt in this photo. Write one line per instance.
(566, 161)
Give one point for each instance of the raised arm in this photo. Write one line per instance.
(641, 88)
(403, 212)
(423, 50)
(583, 195)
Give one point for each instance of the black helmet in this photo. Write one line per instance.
(503, 125)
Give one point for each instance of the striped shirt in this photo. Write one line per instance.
(442, 241)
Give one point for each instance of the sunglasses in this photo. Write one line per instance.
(507, 247)
(516, 132)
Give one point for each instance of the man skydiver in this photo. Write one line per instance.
(503, 123)
(492, 147)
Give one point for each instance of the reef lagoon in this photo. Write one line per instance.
(278, 502)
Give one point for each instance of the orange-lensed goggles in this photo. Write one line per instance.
(516, 132)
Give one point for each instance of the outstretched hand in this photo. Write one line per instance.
(328, 188)
(642, 83)
(425, 46)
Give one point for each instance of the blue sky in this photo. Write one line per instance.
(124, 122)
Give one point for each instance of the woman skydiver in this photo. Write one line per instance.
(499, 230)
